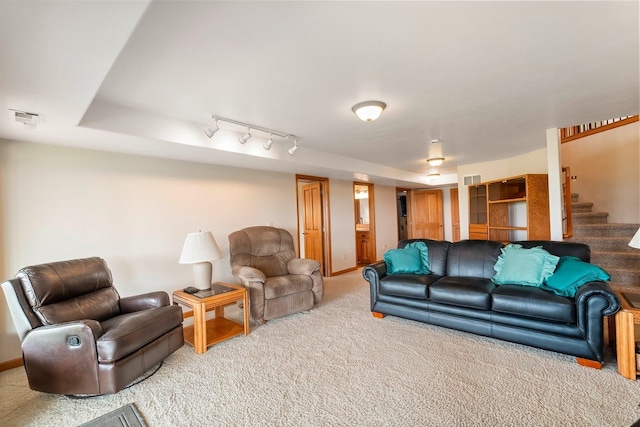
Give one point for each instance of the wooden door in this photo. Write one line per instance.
(426, 215)
(455, 215)
(312, 199)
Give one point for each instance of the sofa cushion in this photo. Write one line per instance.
(473, 292)
(423, 251)
(437, 252)
(473, 258)
(570, 274)
(519, 266)
(533, 302)
(125, 334)
(403, 261)
(407, 285)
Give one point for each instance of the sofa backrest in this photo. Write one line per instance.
(70, 290)
(473, 258)
(579, 250)
(437, 251)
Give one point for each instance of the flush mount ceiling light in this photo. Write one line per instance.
(244, 138)
(368, 111)
(433, 175)
(435, 161)
(212, 130)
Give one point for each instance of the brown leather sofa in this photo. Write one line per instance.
(263, 260)
(79, 337)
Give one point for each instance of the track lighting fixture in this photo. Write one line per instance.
(244, 138)
(267, 145)
(293, 149)
(212, 130)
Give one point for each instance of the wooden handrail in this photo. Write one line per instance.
(567, 202)
(575, 132)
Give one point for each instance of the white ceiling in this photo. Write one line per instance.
(486, 78)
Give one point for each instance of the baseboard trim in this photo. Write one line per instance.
(10, 364)
(348, 270)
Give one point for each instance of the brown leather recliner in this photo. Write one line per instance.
(79, 337)
(263, 260)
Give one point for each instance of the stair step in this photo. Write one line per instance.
(625, 279)
(625, 260)
(574, 197)
(605, 244)
(604, 230)
(590, 217)
(581, 207)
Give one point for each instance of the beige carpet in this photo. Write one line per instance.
(336, 365)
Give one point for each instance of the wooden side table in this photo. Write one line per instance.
(624, 326)
(205, 332)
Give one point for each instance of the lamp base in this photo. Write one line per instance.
(202, 272)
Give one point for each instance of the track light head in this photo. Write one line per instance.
(293, 149)
(245, 137)
(267, 145)
(212, 130)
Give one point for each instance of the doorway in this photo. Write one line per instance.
(314, 238)
(425, 214)
(365, 230)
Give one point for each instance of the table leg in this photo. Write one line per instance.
(199, 328)
(245, 303)
(625, 344)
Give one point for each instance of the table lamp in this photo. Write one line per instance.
(635, 241)
(198, 249)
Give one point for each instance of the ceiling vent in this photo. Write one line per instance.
(28, 119)
(472, 179)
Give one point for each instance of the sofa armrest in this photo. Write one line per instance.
(372, 274)
(52, 353)
(302, 266)
(144, 302)
(596, 296)
(248, 274)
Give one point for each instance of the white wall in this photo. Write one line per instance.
(135, 212)
(533, 162)
(607, 166)
(343, 240)
(386, 219)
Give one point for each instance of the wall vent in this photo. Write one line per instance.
(472, 179)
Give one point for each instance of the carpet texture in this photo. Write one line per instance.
(127, 416)
(336, 365)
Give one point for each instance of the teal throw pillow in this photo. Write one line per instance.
(571, 273)
(403, 261)
(424, 255)
(519, 266)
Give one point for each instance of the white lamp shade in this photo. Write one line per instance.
(635, 242)
(368, 111)
(199, 247)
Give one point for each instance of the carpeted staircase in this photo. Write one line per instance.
(609, 244)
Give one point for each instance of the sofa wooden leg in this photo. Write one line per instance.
(589, 363)
(378, 315)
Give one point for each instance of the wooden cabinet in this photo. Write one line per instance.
(517, 208)
(478, 212)
(364, 248)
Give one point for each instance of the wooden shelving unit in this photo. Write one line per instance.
(478, 212)
(517, 208)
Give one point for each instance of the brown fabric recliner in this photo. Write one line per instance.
(263, 260)
(79, 337)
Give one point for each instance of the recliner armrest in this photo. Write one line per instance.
(249, 274)
(302, 266)
(54, 354)
(144, 302)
